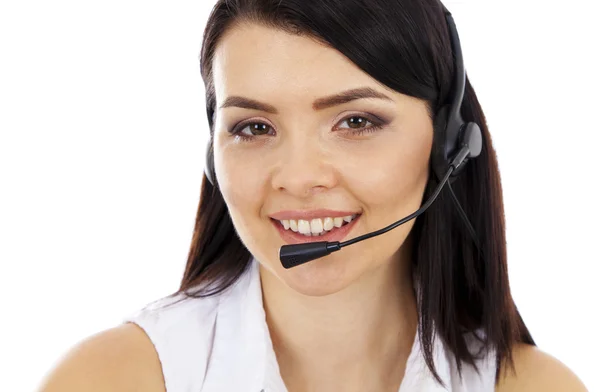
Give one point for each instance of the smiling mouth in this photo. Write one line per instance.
(302, 234)
(316, 227)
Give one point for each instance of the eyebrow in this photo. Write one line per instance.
(318, 104)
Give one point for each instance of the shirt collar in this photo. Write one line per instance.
(240, 344)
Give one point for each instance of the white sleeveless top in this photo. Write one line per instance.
(222, 344)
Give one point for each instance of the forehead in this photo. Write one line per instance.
(259, 60)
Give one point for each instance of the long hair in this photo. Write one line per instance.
(405, 45)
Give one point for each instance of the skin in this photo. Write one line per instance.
(343, 322)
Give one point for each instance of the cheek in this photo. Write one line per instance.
(243, 190)
(234, 182)
(236, 168)
(242, 195)
(395, 177)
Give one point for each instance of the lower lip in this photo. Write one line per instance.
(337, 234)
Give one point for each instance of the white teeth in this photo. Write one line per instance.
(338, 222)
(303, 226)
(316, 227)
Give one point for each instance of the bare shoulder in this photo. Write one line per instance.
(538, 371)
(118, 359)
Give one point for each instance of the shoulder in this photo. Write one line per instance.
(151, 351)
(536, 370)
(118, 359)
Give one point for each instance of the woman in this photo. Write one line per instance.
(327, 120)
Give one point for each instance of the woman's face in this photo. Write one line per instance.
(297, 150)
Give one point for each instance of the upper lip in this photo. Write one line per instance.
(311, 214)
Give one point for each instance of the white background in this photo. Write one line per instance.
(103, 130)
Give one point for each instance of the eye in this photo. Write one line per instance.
(356, 122)
(249, 130)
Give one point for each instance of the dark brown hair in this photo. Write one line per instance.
(405, 45)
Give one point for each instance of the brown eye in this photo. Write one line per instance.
(255, 129)
(258, 129)
(357, 122)
(358, 125)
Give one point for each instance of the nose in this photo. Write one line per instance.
(304, 168)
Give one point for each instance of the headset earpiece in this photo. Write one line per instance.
(451, 135)
(472, 138)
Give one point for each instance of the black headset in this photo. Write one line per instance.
(454, 143)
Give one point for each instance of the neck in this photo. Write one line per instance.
(361, 334)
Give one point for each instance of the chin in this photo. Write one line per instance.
(319, 277)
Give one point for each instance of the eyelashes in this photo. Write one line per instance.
(263, 129)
